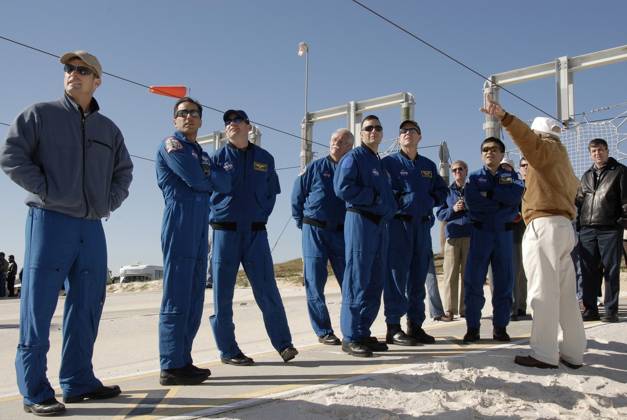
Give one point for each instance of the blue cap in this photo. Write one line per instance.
(228, 115)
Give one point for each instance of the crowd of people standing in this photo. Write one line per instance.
(371, 217)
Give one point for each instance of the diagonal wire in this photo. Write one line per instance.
(450, 57)
(133, 82)
(281, 234)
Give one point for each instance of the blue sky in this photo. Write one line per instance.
(243, 54)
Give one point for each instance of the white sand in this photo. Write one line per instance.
(477, 385)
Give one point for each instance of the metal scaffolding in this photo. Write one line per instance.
(563, 68)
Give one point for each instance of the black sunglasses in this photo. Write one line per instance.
(407, 130)
(82, 70)
(457, 169)
(376, 128)
(233, 121)
(183, 113)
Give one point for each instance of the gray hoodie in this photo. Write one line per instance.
(69, 162)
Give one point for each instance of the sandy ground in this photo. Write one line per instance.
(477, 385)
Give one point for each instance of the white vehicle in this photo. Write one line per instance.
(140, 272)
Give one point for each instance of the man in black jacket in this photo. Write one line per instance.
(602, 216)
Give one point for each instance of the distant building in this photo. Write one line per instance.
(140, 272)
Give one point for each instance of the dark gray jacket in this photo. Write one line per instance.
(70, 163)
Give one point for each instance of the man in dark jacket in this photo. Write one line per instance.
(73, 162)
(11, 274)
(602, 215)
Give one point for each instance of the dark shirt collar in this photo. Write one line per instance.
(370, 150)
(407, 157)
(232, 146)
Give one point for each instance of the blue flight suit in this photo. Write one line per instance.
(238, 218)
(320, 215)
(492, 202)
(418, 188)
(362, 182)
(186, 180)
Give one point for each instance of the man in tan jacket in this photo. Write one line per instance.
(548, 207)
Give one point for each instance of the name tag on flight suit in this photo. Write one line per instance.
(258, 166)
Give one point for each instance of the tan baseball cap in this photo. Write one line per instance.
(91, 60)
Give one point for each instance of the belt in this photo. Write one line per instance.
(408, 218)
(255, 226)
(506, 226)
(374, 218)
(320, 223)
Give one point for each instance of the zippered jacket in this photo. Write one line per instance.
(602, 198)
(254, 185)
(69, 162)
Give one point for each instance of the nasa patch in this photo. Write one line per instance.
(403, 172)
(228, 166)
(426, 174)
(326, 174)
(172, 145)
(375, 172)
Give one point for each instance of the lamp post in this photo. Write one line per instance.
(305, 150)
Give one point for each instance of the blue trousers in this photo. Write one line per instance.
(60, 249)
(404, 289)
(184, 244)
(489, 248)
(600, 248)
(319, 246)
(251, 249)
(366, 268)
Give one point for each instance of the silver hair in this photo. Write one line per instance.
(460, 162)
(341, 131)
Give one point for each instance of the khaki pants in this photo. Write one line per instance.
(455, 254)
(547, 245)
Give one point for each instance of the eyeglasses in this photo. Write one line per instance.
(490, 149)
(82, 70)
(457, 169)
(376, 128)
(184, 113)
(407, 130)
(233, 121)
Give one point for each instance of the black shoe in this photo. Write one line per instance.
(356, 349)
(101, 393)
(418, 334)
(374, 345)
(188, 375)
(590, 315)
(421, 336)
(569, 365)
(194, 368)
(50, 407)
(610, 318)
(238, 360)
(472, 335)
(329, 339)
(288, 353)
(529, 361)
(500, 334)
(395, 335)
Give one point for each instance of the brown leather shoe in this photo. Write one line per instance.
(529, 361)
